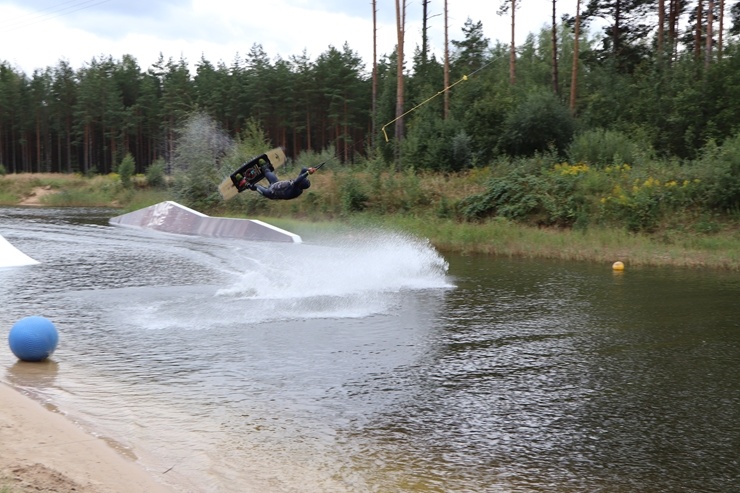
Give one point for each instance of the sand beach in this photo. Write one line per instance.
(43, 451)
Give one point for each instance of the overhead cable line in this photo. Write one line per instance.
(46, 14)
(463, 78)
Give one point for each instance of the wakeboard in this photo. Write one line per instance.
(251, 172)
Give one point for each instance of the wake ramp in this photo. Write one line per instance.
(171, 217)
(10, 256)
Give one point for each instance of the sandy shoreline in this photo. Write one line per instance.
(43, 451)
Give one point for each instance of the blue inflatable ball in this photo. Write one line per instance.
(33, 338)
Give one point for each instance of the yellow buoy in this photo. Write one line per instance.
(618, 265)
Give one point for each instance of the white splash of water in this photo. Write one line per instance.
(10, 256)
(362, 265)
(354, 276)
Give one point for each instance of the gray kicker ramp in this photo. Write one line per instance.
(171, 217)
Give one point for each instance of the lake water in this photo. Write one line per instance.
(368, 362)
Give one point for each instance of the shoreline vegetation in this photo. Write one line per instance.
(425, 205)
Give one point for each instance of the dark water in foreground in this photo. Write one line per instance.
(370, 363)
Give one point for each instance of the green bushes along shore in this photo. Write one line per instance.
(647, 213)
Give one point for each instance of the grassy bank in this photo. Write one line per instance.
(504, 238)
(420, 204)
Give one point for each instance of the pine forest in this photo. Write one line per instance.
(608, 83)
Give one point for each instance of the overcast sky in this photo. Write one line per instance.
(39, 33)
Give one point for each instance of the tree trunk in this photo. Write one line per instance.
(68, 138)
(574, 71)
(346, 132)
(697, 32)
(673, 25)
(721, 27)
(512, 50)
(308, 130)
(38, 143)
(446, 68)
(25, 150)
(424, 37)
(86, 150)
(616, 37)
(661, 26)
(113, 150)
(400, 27)
(59, 152)
(373, 120)
(710, 34)
(555, 87)
(13, 149)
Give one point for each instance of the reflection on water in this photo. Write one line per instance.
(560, 377)
(40, 375)
(365, 363)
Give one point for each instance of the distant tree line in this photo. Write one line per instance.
(61, 119)
(664, 74)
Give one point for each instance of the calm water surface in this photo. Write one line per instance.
(368, 362)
